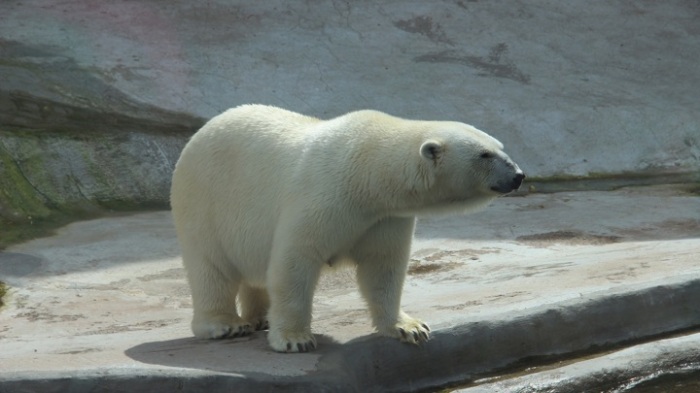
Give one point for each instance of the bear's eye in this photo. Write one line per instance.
(486, 155)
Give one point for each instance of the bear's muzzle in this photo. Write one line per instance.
(513, 185)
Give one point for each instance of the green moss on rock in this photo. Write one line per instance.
(19, 200)
(3, 292)
(49, 179)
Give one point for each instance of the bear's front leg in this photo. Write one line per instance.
(291, 283)
(381, 286)
(382, 260)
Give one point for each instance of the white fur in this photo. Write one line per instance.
(263, 198)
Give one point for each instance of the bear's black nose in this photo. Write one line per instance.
(518, 180)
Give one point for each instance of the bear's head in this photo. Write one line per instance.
(464, 168)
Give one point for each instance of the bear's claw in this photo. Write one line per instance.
(306, 347)
(409, 330)
(220, 327)
(292, 342)
(231, 332)
(241, 330)
(262, 325)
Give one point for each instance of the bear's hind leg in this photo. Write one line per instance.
(214, 301)
(254, 305)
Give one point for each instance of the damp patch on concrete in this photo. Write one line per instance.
(568, 237)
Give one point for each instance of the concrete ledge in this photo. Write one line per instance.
(375, 364)
(471, 350)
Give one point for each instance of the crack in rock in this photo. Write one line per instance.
(495, 64)
(424, 26)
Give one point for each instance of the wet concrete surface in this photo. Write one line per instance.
(670, 365)
(105, 302)
(680, 381)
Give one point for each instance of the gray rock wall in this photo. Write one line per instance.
(572, 88)
(46, 173)
(130, 168)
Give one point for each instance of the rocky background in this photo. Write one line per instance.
(98, 98)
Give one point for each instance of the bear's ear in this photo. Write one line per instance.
(432, 150)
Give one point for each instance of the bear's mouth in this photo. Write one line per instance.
(502, 190)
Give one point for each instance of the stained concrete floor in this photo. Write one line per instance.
(105, 302)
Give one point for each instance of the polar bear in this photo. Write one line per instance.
(264, 198)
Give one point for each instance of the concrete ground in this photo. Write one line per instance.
(103, 304)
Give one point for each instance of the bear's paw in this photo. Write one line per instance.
(219, 327)
(409, 330)
(291, 341)
(260, 324)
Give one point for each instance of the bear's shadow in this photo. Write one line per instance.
(241, 356)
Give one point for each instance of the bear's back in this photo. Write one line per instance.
(235, 171)
(262, 120)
